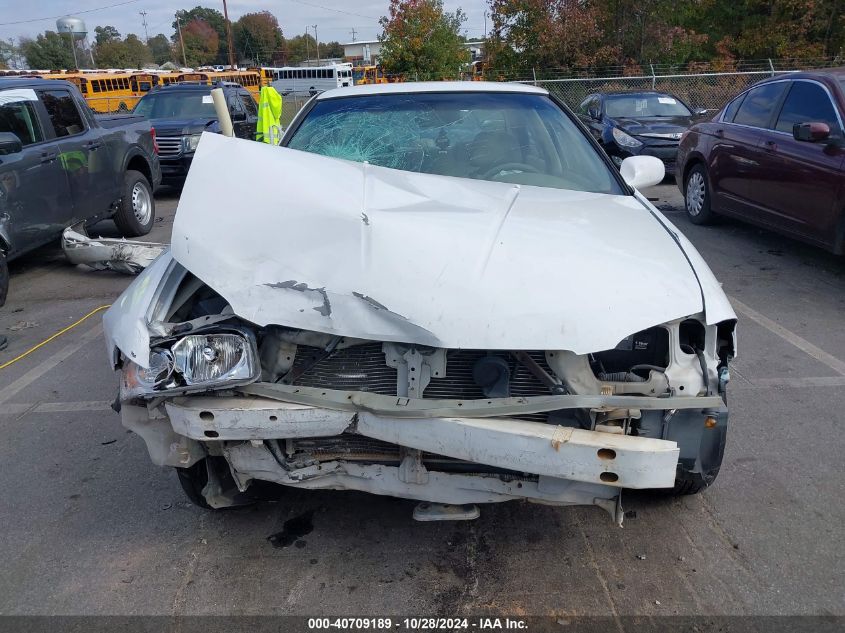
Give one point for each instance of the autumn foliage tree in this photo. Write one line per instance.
(422, 40)
(258, 37)
(202, 42)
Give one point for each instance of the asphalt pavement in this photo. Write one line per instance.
(90, 526)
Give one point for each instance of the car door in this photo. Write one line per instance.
(82, 154)
(239, 116)
(799, 188)
(251, 109)
(735, 159)
(33, 187)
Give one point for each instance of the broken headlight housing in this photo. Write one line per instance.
(196, 362)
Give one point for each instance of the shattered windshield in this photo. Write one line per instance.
(187, 104)
(644, 106)
(504, 137)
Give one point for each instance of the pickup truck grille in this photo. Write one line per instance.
(169, 146)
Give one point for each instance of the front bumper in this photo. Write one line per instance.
(444, 451)
(666, 152)
(175, 169)
(504, 443)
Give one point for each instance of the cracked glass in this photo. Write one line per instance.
(503, 137)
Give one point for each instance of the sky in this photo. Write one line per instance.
(335, 19)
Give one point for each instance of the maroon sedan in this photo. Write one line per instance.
(774, 156)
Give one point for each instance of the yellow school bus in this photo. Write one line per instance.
(249, 79)
(365, 75)
(265, 75)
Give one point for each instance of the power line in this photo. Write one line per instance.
(319, 6)
(54, 17)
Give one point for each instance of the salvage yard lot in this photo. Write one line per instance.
(92, 527)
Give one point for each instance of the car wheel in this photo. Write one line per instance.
(697, 196)
(693, 483)
(224, 490)
(193, 480)
(137, 210)
(4, 278)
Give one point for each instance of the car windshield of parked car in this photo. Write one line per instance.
(638, 106)
(504, 137)
(192, 104)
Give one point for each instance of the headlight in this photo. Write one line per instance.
(194, 363)
(189, 143)
(625, 140)
(213, 358)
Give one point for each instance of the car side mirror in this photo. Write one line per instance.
(642, 171)
(238, 116)
(699, 111)
(594, 113)
(811, 131)
(10, 143)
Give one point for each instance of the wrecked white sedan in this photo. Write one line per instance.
(444, 292)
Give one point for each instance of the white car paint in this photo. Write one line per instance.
(375, 253)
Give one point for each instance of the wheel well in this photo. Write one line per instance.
(688, 167)
(137, 163)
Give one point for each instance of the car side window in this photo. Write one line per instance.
(759, 104)
(733, 106)
(805, 102)
(65, 116)
(18, 115)
(249, 104)
(582, 109)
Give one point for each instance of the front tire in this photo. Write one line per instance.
(697, 196)
(137, 211)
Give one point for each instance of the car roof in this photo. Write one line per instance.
(414, 87)
(195, 85)
(834, 73)
(629, 93)
(20, 82)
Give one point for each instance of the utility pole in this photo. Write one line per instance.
(307, 46)
(229, 37)
(354, 32)
(73, 48)
(182, 42)
(317, 39)
(143, 15)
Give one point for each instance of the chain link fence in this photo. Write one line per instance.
(702, 90)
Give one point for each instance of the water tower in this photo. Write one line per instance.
(76, 32)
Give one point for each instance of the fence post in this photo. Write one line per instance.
(653, 77)
(771, 67)
(534, 72)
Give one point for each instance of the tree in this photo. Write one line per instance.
(202, 44)
(331, 50)
(258, 36)
(214, 19)
(48, 50)
(160, 49)
(422, 40)
(299, 48)
(10, 54)
(128, 53)
(104, 34)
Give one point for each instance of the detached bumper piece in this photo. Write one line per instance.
(119, 255)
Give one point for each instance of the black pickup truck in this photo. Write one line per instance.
(181, 112)
(61, 164)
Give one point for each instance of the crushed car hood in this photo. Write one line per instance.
(305, 241)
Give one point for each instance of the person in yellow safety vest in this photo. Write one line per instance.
(268, 129)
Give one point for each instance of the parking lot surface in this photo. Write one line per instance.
(92, 527)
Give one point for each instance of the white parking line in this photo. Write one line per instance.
(790, 337)
(39, 370)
